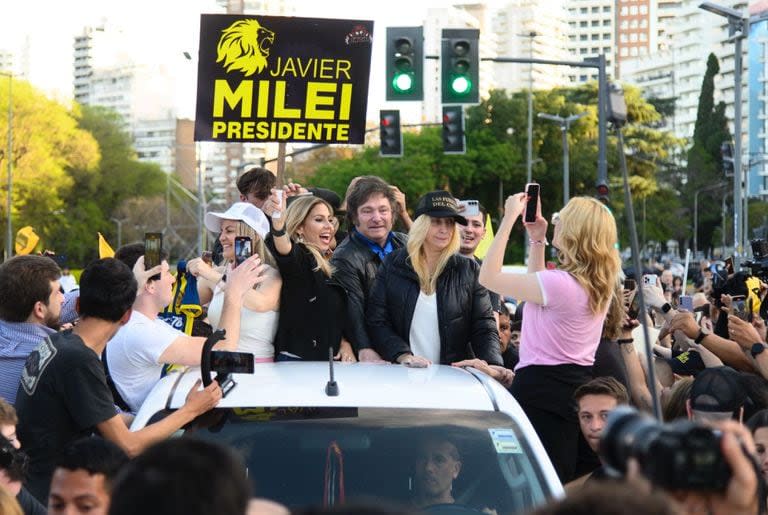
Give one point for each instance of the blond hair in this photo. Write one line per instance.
(416, 237)
(8, 503)
(243, 229)
(295, 216)
(587, 248)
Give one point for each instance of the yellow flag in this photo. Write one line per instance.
(482, 248)
(105, 251)
(26, 240)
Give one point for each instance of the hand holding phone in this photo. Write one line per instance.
(532, 191)
(686, 303)
(470, 207)
(650, 279)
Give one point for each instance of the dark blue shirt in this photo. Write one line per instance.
(382, 252)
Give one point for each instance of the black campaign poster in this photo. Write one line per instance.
(272, 78)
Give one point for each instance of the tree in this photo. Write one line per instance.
(97, 194)
(704, 159)
(47, 145)
(496, 142)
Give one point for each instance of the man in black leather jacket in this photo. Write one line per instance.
(371, 211)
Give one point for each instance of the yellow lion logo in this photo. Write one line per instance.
(244, 46)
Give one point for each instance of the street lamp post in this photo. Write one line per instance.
(9, 159)
(738, 26)
(565, 124)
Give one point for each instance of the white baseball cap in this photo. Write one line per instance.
(243, 212)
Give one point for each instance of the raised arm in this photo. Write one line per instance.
(523, 287)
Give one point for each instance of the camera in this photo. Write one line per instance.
(759, 264)
(681, 455)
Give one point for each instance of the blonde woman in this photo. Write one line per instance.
(259, 316)
(312, 304)
(563, 315)
(427, 305)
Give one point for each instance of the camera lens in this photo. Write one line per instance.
(627, 434)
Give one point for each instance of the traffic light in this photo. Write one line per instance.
(726, 153)
(460, 64)
(391, 137)
(453, 130)
(602, 192)
(405, 63)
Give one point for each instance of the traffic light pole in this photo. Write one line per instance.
(602, 99)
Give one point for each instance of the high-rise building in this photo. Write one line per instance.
(532, 29)
(676, 66)
(591, 32)
(756, 160)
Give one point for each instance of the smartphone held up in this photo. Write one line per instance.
(532, 192)
(243, 249)
(153, 251)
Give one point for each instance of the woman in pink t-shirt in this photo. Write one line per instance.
(564, 313)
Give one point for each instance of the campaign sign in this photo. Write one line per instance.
(273, 78)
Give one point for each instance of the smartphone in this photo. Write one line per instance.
(739, 308)
(650, 279)
(232, 362)
(686, 303)
(630, 284)
(153, 251)
(729, 266)
(243, 249)
(634, 307)
(471, 207)
(532, 192)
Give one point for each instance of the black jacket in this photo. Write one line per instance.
(312, 306)
(356, 267)
(465, 318)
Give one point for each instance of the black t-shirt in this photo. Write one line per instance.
(62, 395)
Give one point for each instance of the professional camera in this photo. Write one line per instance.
(759, 264)
(681, 455)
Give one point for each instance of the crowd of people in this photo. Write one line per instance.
(332, 277)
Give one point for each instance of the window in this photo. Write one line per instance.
(606, 23)
(643, 36)
(633, 37)
(595, 23)
(623, 37)
(624, 10)
(633, 51)
(583, 37)
(633, 24)
(606, 8)
(606, 36)
(595, 9)
(583, 24)
(583, 78)
(633, 10)
(594, 50)
(595, 37)
(582, 51)
(583, 10)
(643, 9)
(644, 23)
(623, 52)
(606, 50)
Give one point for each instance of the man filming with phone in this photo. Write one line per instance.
(138, 352)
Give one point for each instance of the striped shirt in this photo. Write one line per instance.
(17, 341)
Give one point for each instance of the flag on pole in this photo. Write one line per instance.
(26, 241)
(482, 248)
(105, 251)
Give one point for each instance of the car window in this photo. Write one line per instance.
(304, 457)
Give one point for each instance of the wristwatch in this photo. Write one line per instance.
(699, 337)
(757, 348)
(666, 307)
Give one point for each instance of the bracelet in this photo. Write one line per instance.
(543, 242)
(277, 232)
(624, 341)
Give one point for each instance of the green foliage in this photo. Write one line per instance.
(496, 131)
(704, 160)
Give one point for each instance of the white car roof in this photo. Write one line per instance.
(361, 385)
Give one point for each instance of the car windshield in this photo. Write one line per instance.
(451, 460)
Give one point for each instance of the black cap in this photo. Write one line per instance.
(439, 204)
(718, 389)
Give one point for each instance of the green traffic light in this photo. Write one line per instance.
(461, 85)
(402, 82)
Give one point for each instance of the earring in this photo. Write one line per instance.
(300, 238)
